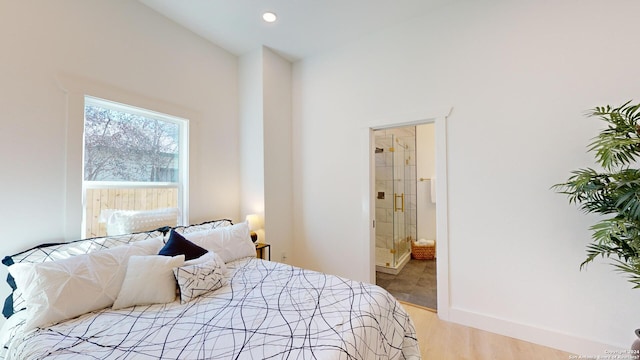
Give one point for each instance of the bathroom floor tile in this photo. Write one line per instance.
(416, 283)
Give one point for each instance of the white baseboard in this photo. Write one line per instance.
(546, 337)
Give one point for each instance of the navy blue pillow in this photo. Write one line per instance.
(178, 245)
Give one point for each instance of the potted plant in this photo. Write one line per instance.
(613, 191)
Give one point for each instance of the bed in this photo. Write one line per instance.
(258, 310)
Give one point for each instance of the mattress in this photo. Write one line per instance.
(267, 310)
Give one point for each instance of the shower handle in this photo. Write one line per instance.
(395, 202)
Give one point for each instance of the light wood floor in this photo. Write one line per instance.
(442, 340)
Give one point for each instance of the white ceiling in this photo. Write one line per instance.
(303, 28)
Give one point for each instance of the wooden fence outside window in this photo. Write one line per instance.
(98, 200)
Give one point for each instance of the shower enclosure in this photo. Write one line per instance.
(396, 215)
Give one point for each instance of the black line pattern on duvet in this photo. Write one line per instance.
(266, 311)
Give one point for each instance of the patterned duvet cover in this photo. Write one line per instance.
(267, 310)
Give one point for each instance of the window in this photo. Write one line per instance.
(134, 159)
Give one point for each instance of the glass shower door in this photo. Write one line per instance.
(399, 200)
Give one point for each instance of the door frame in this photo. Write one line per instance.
(442, 210)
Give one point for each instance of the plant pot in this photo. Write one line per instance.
(636, 343)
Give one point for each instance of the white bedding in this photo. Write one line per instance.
(266, 311)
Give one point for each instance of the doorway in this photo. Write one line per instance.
(405, 213)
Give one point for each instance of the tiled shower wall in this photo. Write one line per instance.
(384, 193)
(384, 184)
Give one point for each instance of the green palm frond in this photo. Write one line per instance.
(614, 237)
(615, 191)
(619, 143)
(631, 269)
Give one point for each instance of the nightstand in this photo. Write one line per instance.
(260, 250)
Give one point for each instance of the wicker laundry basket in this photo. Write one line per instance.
(423, 252)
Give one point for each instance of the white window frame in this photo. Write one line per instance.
(183, 159)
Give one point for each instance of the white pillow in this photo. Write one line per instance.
(133, 221)
(59, 251)
(59, 290)
(149, 280)
(230, 242)
(206, 257)
(195, 280)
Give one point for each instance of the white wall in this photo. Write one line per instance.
(265, 88)
(277, 155)
(426, 168)
(252, 133)
(120, 47)
(520, 76)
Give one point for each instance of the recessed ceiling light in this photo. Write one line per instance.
(269, 17)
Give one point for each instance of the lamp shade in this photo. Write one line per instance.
(254, 221)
